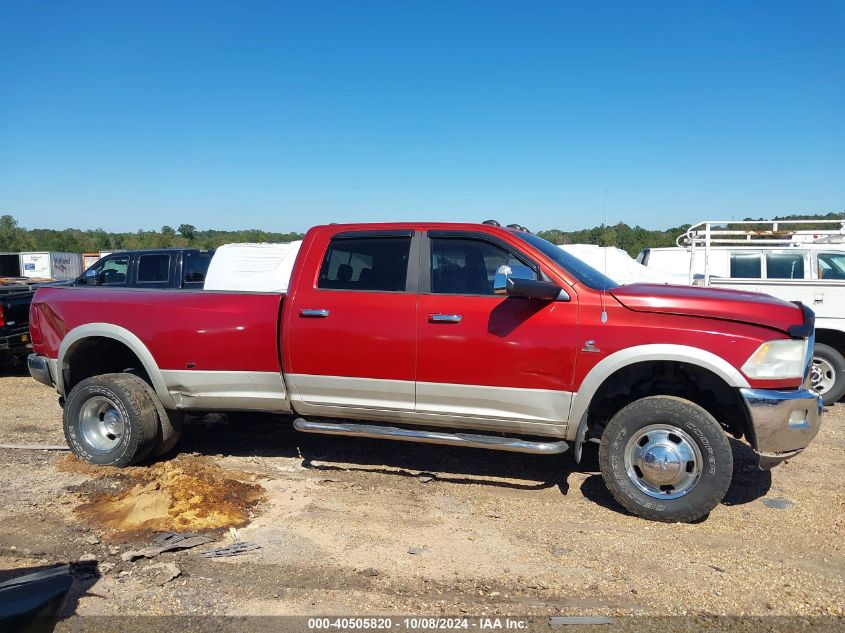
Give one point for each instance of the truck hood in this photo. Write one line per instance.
(711, 303)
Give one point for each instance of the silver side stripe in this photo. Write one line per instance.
(322, 395)
(342, 391)
(227, 390)
(506, 403)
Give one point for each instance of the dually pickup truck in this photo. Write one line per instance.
(460, 334)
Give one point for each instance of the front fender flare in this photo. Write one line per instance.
(639, 354)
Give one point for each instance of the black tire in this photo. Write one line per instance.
(174, 421)
(833, 362)
(696, 430)
(169, 425)
(124, 395)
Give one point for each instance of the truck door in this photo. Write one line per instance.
(506, 360)
(349, 336)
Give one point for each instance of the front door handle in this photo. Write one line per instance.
(444, 318)
(314, 313)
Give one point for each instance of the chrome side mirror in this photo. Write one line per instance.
(500, 281)
(504, 284)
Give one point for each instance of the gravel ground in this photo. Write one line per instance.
(350, 526)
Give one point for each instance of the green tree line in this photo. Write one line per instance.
(14, 238)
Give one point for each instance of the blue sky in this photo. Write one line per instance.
(127, 115)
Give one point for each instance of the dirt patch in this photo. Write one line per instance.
(183, 494)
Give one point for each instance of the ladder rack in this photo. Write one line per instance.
(768, 233)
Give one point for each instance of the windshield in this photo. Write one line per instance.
(584, 273)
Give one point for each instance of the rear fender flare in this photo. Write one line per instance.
(639, 354)
(122, 335)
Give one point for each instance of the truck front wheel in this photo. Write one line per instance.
(666, 459)
(110, 420)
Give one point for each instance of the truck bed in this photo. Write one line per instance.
(191, 331)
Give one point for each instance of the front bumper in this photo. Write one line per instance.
(39, 368)
(785, 422)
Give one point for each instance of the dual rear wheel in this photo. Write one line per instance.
(117, 420)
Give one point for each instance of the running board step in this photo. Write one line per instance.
(492, 442)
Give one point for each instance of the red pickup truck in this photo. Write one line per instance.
(461, 334)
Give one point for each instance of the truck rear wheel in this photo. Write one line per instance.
(666, 459)
(110, 420)
(170, 431)
(827, 373)
(169, 425)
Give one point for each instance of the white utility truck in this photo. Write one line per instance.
(806, 265)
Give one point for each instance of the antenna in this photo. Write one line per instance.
(604, 281)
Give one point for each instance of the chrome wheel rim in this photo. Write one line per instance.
(822, 375)
(663, 461)
(101, 424)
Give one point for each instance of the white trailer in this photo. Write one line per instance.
(51, 265)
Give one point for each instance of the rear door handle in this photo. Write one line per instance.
(444, 318)
(314, 313)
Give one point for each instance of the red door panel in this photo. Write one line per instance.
(499, 341)
(365, 335)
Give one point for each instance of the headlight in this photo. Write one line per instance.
(774, 360)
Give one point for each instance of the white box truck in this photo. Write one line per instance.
(58, 266)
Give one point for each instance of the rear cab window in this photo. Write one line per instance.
(195, 267)
(373, 263)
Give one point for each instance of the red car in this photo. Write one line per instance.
(462, 334)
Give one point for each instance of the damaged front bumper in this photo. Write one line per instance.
(784, 422)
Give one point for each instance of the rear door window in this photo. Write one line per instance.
(376, 264)
(785, 265)
(745, 266)
(154, 268)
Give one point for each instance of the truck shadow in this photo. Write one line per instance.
(260, 435)
(257, 435)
